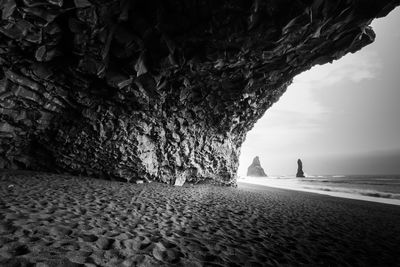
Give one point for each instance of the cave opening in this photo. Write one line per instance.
(341, 118)
(123, 90)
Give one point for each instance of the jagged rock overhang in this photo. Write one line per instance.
(157, 89)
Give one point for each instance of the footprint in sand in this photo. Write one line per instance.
(78, 256)
(21, 250)
(12, 250)
(104, 243)
(88, 238)
(7, 228)
(59, 231)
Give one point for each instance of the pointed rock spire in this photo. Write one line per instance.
(255, 169)
(300, 172)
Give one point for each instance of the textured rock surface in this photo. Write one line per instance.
(157, 89)
(255, 169)
(300, 172)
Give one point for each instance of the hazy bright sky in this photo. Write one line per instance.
(339, 118)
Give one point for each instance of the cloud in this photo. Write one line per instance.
(357, 162)
(387, 25)
(300, 96)
(364, 65)
(300, 110)
(299, 99)
(334, 110)
(299, 117)
(286, 122)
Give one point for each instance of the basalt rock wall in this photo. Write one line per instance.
(161, 90)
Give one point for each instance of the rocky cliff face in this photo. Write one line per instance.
(255, 169)
(164, 90)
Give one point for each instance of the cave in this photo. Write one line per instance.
(157, 90)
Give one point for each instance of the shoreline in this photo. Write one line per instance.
(382, 200)
(57, 220)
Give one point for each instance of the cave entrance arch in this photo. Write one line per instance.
(162, 90)
(340, 117)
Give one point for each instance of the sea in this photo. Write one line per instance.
(376, 188)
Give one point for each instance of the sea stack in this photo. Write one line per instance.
(255, 169)
(300, 172)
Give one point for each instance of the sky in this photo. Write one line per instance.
(339, 118)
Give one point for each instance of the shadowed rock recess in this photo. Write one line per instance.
(162, 90)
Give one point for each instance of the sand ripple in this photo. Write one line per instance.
(60, 220)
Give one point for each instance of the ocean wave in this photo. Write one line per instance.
(326, 189)
(369, 193)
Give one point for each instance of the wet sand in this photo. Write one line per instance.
(61, 220)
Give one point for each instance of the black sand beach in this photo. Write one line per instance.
(60, 220)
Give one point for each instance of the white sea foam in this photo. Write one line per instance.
(297, 184)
